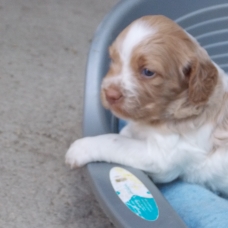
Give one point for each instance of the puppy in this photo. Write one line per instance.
(175, 100)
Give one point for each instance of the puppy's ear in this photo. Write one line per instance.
(202, 76)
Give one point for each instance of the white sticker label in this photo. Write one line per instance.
(134, 194)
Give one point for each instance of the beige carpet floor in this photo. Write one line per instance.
(43, 51)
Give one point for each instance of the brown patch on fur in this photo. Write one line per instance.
(116, 64)
(203, 79)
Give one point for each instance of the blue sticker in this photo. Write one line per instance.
(134, 194)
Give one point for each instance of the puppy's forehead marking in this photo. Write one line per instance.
(137, 33)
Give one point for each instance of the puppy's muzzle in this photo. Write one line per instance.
(113, 95)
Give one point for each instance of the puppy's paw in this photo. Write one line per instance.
(78, 153)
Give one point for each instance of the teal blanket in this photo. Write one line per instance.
(197, 206)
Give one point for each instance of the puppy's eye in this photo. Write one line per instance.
(147, 73)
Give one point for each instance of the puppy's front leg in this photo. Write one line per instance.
(109, 148)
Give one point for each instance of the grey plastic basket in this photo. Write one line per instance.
(207, 21)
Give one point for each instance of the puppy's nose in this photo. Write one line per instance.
(113, 95)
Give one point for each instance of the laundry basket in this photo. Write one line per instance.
(207, 21)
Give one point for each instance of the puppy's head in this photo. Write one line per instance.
(157, 72)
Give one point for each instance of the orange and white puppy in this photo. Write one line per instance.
(176, 102)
